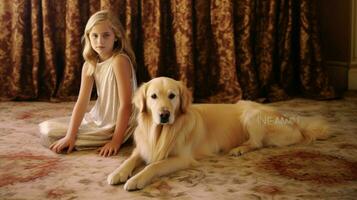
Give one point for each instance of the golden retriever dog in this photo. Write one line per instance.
(172, 133)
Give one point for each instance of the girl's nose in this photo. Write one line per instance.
(100, 40)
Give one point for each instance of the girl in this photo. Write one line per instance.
(109, 62)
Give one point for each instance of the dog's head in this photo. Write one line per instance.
(163, 98)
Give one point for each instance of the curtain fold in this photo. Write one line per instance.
(223, 50)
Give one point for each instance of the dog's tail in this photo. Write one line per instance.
(313, 128)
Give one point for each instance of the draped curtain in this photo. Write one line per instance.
(223, 50)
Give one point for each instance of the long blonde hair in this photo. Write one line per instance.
(121, 45)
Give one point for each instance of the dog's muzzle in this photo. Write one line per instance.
(164, 117)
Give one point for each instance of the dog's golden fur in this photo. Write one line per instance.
(172, 133)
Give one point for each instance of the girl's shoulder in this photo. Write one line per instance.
(88, 68)
(88, 64)
(122, 56)
(122, 59)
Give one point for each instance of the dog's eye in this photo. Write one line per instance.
(153, 96)
(171, 96)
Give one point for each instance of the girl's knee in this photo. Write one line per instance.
(48, 133)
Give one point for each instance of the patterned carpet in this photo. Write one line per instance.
(322, 170)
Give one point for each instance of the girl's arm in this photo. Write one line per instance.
(77, 113)
(81, 105)
(122, 71)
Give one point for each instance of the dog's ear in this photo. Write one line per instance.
(139, 99)
(185, 97)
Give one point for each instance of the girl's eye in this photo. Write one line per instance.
(171, 96)
(94, 35)
(153, 96)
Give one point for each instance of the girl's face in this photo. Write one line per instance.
(102, 39)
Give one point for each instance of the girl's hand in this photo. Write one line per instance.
(63, 143)
(109, 149)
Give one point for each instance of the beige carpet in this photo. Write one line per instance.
(322, 170)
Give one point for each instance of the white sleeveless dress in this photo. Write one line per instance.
(98, 125)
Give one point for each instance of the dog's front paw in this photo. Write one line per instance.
(117, 177)
(238, 151)
(137, 182)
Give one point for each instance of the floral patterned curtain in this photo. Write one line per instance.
(224, 50)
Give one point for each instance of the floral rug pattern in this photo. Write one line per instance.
(325, 169)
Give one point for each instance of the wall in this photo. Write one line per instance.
(352, 73)
(338, 41)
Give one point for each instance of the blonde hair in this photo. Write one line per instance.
(121, 45)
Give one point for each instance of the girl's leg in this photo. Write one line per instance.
(53, 130)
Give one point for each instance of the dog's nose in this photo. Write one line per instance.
(164, 116)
